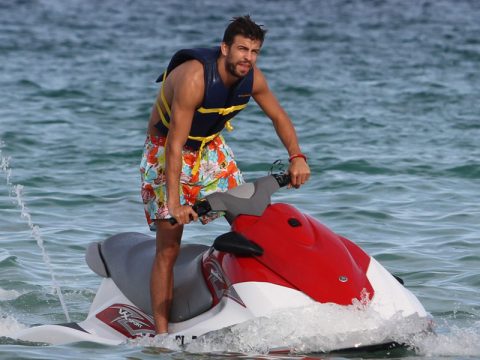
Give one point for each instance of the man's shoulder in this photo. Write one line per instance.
(189, 76)
(259, 80)
(191, 66)
(191, 70)
(256, 70)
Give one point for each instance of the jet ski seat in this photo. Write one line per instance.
(127, 258)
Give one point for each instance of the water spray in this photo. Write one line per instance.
(16, 192)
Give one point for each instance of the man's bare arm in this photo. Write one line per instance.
(188, 88)
(299, 170)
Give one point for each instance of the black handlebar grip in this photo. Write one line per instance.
(201, 207)
(282, 179)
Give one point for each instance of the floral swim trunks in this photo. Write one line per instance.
(218, 171)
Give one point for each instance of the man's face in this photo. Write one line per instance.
(241, 56)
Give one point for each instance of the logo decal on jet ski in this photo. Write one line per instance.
(219, 283)
(127, 320)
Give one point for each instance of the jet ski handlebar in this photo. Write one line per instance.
(201, 207)
(249, 198)
(283, 179)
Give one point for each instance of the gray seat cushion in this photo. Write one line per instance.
(128, 259)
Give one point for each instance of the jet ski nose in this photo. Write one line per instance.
(300, 230)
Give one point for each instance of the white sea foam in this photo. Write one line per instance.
(324, 327)
(6, 295)
(5, 164)
(9, 325)
(160, 341)
(314, 328)
(451, 340)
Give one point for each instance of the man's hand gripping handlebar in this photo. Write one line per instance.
(202, 207)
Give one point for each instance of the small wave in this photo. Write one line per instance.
(468, 171)
(452, 340)
(10, 261)
(361, 166)
(301, 91)
(6, 259)
(63, 93)
(29, 84)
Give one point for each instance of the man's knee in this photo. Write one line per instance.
(168, 241)
(167, 250)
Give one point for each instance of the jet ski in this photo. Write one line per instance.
(274, 258)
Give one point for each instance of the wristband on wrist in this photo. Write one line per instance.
(299, 155)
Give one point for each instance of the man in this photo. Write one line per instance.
(185, 157)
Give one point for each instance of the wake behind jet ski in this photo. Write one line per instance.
(274, 258)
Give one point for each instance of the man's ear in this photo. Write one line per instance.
(224, 48)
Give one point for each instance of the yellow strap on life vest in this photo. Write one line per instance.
(229, 126)
(204, 141)
(196, 138)
(222, 111)
(162, 95)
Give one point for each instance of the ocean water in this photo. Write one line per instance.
(384, 97)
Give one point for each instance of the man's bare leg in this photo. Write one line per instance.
(161, 284)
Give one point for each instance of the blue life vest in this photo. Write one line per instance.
(220, 103)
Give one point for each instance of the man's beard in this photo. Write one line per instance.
(231, 68)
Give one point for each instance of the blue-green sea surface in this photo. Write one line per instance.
(385, 99)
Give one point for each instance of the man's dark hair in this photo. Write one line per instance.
(245, 26)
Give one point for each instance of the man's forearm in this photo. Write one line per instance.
(173, 170)
(286, 132)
